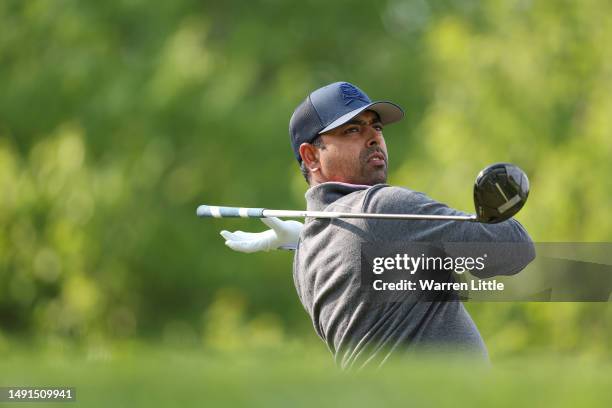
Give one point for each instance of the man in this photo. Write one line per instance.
(337, 138)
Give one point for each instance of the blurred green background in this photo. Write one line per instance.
(117, 118)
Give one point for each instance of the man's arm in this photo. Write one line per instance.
(508, 245)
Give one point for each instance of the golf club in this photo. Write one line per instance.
(500, 191)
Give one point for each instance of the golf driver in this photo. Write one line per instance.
(500, 191)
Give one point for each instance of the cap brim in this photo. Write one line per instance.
(387, 111)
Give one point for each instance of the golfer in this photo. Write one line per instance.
(337, 138)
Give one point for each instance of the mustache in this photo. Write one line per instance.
(363, 157)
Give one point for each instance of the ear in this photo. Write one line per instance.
(310, 156)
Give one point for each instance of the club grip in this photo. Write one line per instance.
(227, 212)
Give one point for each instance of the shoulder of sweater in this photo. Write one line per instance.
(382, 194)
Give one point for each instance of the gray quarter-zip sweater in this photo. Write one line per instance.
(326, 272)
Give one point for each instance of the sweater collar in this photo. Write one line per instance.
(322, 195)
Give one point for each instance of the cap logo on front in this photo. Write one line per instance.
(351, 94)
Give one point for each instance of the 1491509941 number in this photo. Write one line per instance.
(37, 393)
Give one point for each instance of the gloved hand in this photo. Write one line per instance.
(283, 235)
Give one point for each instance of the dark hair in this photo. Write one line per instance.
(317, 142)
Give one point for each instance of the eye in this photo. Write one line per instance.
(378, 127)
(351, 129)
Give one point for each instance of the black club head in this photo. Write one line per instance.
(500, 191)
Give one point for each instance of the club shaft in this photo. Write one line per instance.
(233, 212)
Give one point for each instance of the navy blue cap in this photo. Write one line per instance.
(332, 106)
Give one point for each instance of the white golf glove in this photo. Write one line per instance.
(283, 235)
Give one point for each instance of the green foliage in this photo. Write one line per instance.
(118, 118)
(304, 377)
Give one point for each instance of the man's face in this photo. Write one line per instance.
(355, 152)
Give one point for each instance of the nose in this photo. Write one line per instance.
(374, 138)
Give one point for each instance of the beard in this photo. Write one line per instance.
(370, 174)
